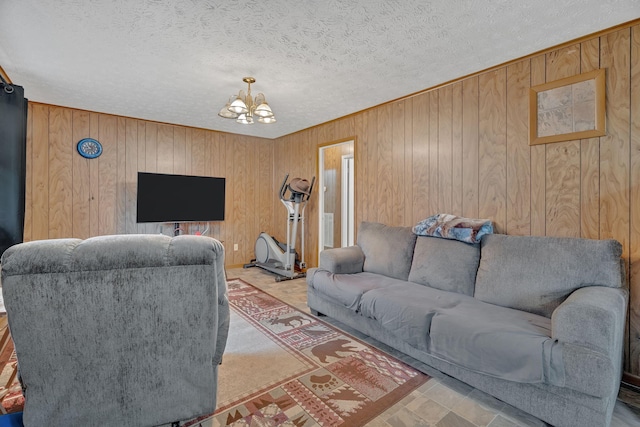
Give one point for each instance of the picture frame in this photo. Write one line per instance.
(568, 109)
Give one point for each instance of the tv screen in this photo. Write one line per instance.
(179, 198)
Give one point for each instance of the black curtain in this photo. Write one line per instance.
(13, 147)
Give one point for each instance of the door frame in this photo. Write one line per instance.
(347, 195)
(321, 185)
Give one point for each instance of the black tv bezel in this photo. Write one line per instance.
(166, 216)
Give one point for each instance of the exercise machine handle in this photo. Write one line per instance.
(283, 187)
(313, 181)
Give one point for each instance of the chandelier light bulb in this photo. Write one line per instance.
(226, 112)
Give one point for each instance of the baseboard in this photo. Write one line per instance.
(631, 381)
(234, 266)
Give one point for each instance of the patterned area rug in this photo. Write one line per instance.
(11, 399)
(283, 367)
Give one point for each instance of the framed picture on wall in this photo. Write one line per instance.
(568, 109)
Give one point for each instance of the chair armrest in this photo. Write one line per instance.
(342, 260)
(224, 313)
(590, 326)
(223, 328)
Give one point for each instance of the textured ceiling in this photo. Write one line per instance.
(178, 61)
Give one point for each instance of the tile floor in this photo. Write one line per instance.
(442, 401)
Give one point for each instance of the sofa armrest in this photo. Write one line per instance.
(592, 317)
(342, 260)
(590, 326)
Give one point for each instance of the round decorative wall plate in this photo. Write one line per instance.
(89, 148)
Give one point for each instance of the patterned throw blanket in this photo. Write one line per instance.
(454, 227)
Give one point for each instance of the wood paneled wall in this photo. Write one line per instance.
(70, 196)
(463, 149)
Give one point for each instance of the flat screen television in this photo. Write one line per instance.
(179, 198)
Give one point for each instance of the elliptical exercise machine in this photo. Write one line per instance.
(274, 256)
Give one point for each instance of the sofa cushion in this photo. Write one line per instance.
(387, 250)
(509, 344)
(536, 274)
(406, 310)
(347, 289)
(448, 265)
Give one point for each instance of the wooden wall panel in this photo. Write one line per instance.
(121, 191)
(590, 156)
(634, 199)
(179, 150)
(108, 172)
(265, 186)
(538, 162)
(432, 167)
(81, 178)
(94, 180)
(614, 147)
(419, 157)
(407, 188)
(470, 201)
(188, 151)
(444, 142)
(142, 162)
(313, 206)
(130, 175)
(40, 170)
(216, 141)
(397, 142)
(244, 192)
(234, 208)
(563, 158)
(220, 171)
(371, 143)
(280, 168)
(518, 153)
(164, 153)
(151, 150)
(362, 195)
(253, 196)
(492, 148)
(456, 149)
(384, 187)
(60, 174)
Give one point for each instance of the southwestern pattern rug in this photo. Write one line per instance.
(11, 399)
(283, 367)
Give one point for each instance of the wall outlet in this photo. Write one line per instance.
(235, 246)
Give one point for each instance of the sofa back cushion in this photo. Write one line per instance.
(448, 265)
(536, 274)
(387, 250)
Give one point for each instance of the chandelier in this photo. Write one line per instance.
(244, 108)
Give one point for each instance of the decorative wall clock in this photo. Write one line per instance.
(89, 148)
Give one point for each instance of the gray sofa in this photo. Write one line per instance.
(122, 330)
(537, 322)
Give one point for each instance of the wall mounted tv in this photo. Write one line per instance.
(179, 198)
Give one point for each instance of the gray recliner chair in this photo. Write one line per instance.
(124, 330)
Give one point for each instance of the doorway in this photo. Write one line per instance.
(336, 195)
